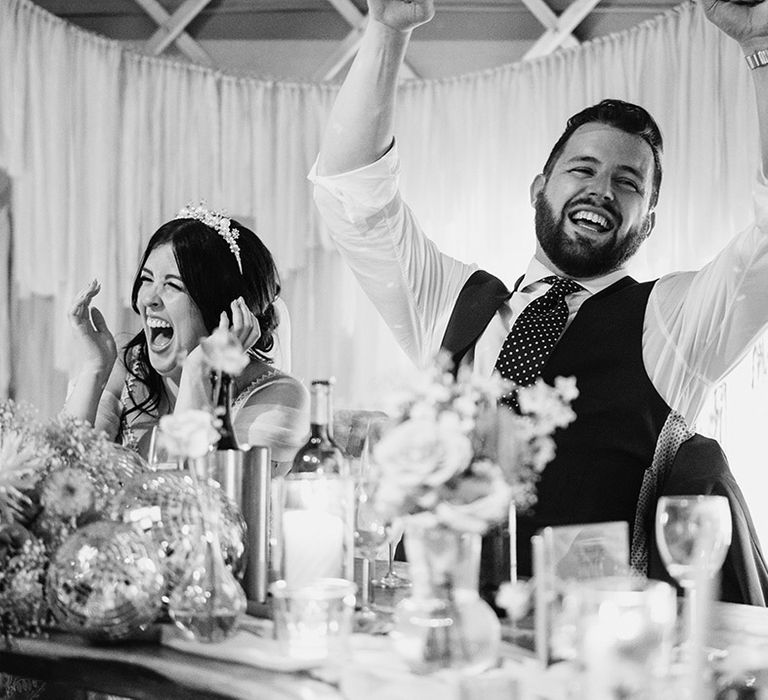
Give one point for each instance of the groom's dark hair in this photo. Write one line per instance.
(622, 115)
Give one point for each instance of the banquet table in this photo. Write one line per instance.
(146, 669)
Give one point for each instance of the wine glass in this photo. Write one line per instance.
(370, 534)
(392, 579)
(693, 534)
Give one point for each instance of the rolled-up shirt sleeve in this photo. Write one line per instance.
(410, 281)
(699, 325)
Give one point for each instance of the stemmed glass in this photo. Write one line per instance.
(370, 534)
(693, 534)
(392, 579)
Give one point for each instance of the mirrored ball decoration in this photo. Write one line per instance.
(126, 464)
(105, 581)
(121, 465)
(177, 527)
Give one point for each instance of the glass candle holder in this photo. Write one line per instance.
(313, 622)
(314, 528)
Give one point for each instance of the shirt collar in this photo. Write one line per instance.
(537, 271)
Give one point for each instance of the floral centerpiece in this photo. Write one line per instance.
(55, 476)
(453, 464)
(457, 459)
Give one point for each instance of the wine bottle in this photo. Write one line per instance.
(223, 411)
(320, 454)
(315, 504)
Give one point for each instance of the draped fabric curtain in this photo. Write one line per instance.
(103, 144)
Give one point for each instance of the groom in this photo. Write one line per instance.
(644, 354)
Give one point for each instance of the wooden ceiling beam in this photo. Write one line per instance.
(172, 27)
(187, 45)
(548, 19)
(553, 38)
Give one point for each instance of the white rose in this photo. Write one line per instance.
(223, 352)
(491, 507)
(188, 434)
(422, 452)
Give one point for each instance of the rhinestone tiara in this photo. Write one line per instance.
(218, 222)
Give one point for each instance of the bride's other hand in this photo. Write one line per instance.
(97, 348)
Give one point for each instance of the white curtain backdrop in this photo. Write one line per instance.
(103, 144)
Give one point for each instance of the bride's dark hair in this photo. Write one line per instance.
(210, 272)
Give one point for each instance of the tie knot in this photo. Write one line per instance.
(562, 286)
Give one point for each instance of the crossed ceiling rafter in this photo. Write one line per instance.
(557, 28)
(170, 29)
(558, 31)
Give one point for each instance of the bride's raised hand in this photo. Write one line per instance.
(224, 349)
(245, 325)
(97, 347)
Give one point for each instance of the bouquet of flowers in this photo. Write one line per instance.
(456, 458)
(55, 476)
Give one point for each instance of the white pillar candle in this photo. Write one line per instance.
(313, 546)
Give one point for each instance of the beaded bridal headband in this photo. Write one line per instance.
(218, 222)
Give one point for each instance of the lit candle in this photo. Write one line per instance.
(313, 546)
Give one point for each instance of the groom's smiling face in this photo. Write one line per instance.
(593, 210)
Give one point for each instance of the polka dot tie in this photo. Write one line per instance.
(534, 334)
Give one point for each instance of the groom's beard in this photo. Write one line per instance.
(581, 257)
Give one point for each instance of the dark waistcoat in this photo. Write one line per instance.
(600, 460)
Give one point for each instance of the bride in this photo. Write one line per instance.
(199, 271)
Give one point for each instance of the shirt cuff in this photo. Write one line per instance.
(366, 189)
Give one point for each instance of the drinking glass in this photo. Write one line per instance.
(157, 455)
(313, 622)
(370, 534)
(392, 579)
(693, 534)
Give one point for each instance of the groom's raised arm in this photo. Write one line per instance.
(747, 23)
(360, 127)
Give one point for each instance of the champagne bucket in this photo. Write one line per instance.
(245, 476)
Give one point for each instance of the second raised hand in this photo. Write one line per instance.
(746, 22)
(97, 348)
(402, 15)
(245, 324)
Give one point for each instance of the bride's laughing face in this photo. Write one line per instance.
(173, 324)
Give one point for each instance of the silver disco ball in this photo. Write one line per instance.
(105, 581)
(172, 498)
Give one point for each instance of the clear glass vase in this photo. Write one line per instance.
(208, 600)
(444, 623)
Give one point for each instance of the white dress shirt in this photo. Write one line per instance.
(698, 325)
